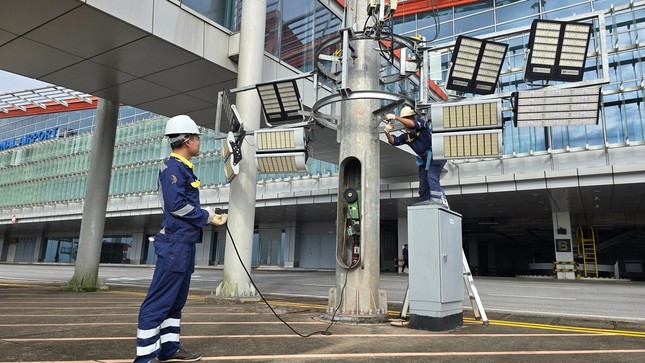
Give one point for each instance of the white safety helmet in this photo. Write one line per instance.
(407, 111)
(181, 124)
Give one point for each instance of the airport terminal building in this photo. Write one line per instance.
(552, 184)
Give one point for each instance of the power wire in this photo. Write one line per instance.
(321, 332)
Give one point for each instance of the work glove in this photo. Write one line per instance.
(390, 116)
(389, 127)
(219, 219)
(215, 218)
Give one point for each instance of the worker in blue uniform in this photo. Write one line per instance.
(418, 136)
(183, 219)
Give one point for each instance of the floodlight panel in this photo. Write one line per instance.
(466, 115)
(281, 162)
(562, 107)
(467, 145)
(227, 146)
(269, 98)
(558, 50)
(231, 170)
(280, 101)
(475, 65)
(280, 140)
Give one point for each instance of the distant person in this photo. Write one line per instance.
(418, 136)
(183, 220)
(404, 252)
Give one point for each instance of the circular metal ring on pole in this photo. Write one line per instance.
(398, 42)
(360, 95)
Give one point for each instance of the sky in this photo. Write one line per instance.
(10, 82)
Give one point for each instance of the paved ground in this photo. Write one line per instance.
(42, 323)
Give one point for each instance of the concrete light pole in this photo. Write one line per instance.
(86, 270)
(357, 294)
(235, 284)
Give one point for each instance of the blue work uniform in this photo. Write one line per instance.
(419, 139)
(183, 219)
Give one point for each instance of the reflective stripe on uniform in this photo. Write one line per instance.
(147, 333)
(170, 322)
(183, 211)
(149, 349)
(169, 337)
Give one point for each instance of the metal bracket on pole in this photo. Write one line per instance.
(423, 81)
(347, 33)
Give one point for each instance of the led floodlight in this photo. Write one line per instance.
(282, 163)
(475, 65)
(280, 101)
(557, 50)
(466, 115)
(281, 150)
(560, 107)
(467, 145)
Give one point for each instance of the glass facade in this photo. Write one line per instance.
(70, 123)
(64, 250)
(622, 115)
(56, 170)
(223, 12)
(294, 28)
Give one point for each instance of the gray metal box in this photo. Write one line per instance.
(436, 267)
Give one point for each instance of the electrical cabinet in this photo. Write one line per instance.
(436, 267)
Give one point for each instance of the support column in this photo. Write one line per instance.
(135, 251)
(86, 270)
(38, 248)
(402, 236)
(473, 255)
(4, 247)
(235, 283)
(360, 299)
(202, 255)
(290, 246)
(564, 263)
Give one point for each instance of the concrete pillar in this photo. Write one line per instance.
(563, 244)
(203, 252)
(11, 250)
(4, 246)
(135, 252)
(86, 270)
(360, 299)
(473, 255)
(492, 259)
(290, 245)
(235, 283)
(38, 248)
(402, 236)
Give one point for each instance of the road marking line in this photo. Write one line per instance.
(535, 297)
(383, 355)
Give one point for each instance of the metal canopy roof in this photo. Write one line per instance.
(40, 97)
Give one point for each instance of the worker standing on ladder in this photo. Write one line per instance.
(418, 136)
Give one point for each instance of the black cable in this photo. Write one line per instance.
(321, 332)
